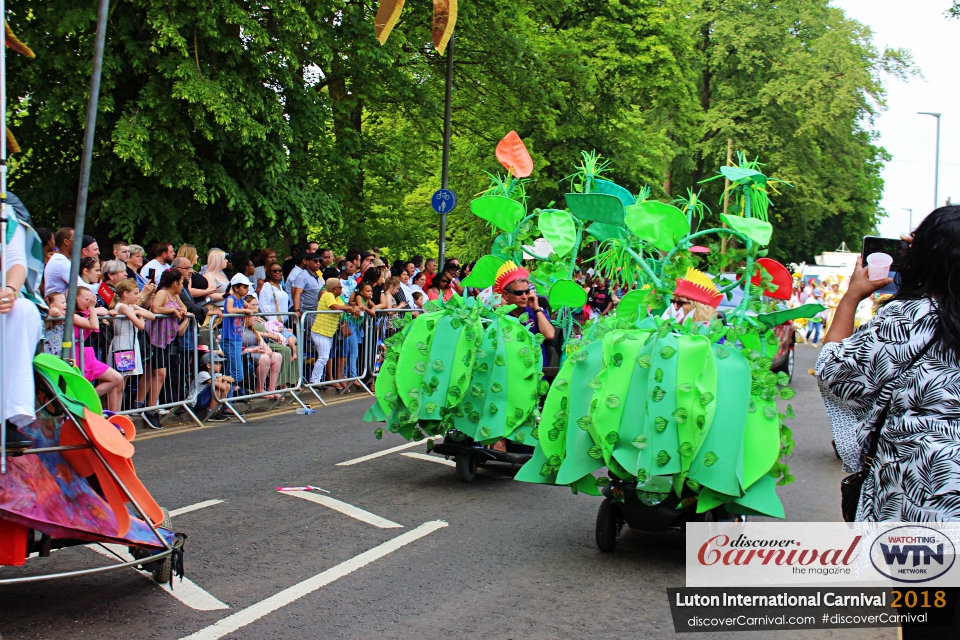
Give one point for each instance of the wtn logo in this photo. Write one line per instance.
(912, 553)
(897, 554)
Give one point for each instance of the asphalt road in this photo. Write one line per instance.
(514, 560)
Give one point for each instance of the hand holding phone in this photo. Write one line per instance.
(152, 275)
(893, 247)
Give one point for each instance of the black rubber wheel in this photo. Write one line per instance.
(609, 525)
(466, 467)
(162, 575)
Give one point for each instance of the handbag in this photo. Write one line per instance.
(124, 361)
(852, 485)
(345, 330)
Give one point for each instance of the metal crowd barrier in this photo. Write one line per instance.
(337, 360)
(384, 329)
(126, 346)
(353, 359)
(128, 350)
(250, 363)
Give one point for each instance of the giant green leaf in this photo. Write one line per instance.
(633, 302)
(603, 231)
(754, 228)
(559, 229)
(567, 293)
(484, 272)
(613, 189)
(662, 225)
(500, 211)
(598, 207)
(498, 249)
(736, 173)
(779, 317)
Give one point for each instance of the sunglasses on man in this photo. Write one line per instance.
(519, 293)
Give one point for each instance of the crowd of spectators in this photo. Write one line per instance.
(144, 314)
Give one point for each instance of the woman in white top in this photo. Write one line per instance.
(274, 299)
(216, 278)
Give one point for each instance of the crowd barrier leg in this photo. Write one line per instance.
(335, 360)
(246, 368)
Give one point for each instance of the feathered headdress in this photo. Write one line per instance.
(507, 273)
(699, 287)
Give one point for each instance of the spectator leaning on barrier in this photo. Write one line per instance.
(126, 349)
(86, 321)
(56, 275)
(112, 272)
(274, 298)
(171, 322)
(231, 337)
(325, 326)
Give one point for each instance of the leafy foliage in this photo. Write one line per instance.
(235, 124)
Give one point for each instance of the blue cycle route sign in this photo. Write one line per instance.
(443, 201)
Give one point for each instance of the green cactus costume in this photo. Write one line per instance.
(669, 405)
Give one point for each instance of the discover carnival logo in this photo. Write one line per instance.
(912, 554)
(876, 554)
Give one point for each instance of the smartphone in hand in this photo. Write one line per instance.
(893, 247)
(152, 275)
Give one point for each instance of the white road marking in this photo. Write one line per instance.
(194, 507)
(186, 592)
(423, 456)
(450, 463)
(345, 509)
(254, 612)
(385, 452)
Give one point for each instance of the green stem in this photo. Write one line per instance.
(741, 309)
(646, 269)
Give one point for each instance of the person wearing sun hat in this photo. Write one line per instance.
(696, 297)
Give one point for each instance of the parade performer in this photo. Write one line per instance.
(24, 327)
(513, 284)
(638, 391)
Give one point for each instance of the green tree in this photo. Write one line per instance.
(797, 84)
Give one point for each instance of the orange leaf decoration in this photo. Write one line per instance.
(514, 156)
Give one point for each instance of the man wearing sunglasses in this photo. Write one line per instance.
(513, 284)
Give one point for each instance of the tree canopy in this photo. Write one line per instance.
(238, 124)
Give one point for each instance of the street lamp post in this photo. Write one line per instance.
(910, 227)
(936, 162)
